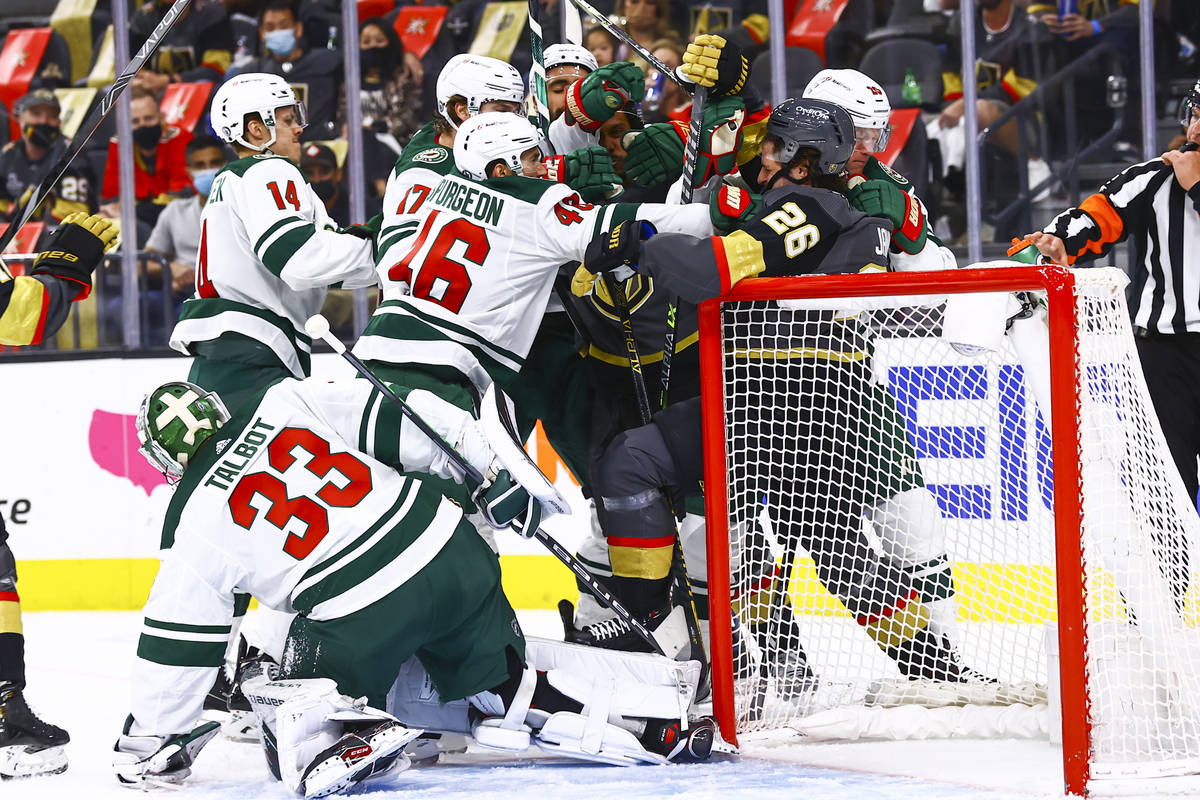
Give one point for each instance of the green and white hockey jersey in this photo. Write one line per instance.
(481, 267)
(421, 166)
(268, 252)
(296, 500)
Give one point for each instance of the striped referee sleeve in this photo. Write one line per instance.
(1106, 217)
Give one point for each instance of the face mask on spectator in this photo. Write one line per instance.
(379, 58)
(324, 189)
(281, 42)
(147, 136)
(202, 179)
(43, 134)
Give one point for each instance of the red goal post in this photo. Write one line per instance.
(1058, 286)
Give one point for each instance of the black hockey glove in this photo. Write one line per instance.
(149, 761)
(74, 250)
(505, 504)
(716, 63)
(618, 251)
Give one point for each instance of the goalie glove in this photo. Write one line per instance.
(730, 207)
(880, 198)
(615, 252)
(592, 101)
(717, 64)
(588, 170)
(504, 503)
(149, 761)
(74, 250)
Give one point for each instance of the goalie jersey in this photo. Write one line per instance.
(297, 501)
(268, 252)
(481, 266)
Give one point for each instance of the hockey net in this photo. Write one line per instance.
(1045, 539)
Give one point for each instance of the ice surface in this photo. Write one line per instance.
(79, 678)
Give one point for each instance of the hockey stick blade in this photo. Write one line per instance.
(89, 125)
(318, 328)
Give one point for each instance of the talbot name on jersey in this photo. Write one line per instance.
(470, 201)
(239, 456)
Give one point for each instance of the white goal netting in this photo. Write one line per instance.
(892, 525)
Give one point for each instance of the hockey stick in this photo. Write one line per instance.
(318, 328)
(678, 565)
(89, 125)
(619, 32)
(541, 100)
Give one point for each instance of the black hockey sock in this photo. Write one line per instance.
(12, 659)
(545, 697)
(642, 595)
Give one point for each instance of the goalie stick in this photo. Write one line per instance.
(679, 578)
(318, 328)
(89, 125)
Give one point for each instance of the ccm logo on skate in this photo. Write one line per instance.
(356, 754)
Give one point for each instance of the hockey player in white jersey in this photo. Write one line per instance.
(268, 249)
(298, 499)
(481, 265)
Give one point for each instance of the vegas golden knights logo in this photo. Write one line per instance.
(638, 290)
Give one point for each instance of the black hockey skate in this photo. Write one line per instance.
(665, 738)
(28, 746)
(614, 633)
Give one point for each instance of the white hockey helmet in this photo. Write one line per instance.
(558, 54)
(864, 98)
(493, 136)
(252, 93)
(478, 79)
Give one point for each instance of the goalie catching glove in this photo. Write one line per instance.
(655, 155)
(880, 198)
(716, 64)
(588, 170)
(149, 761)
(74, 250)
(615, 252)
(593, 100)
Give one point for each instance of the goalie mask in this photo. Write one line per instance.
(174, 422)
(492, 137)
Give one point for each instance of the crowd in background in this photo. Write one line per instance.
(1019, 46)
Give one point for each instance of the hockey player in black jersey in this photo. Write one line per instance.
(806, 226)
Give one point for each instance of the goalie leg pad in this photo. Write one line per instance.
(586, 738)
(367, 756)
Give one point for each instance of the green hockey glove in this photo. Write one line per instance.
(880, 198)
(653, 155)
(593, 100)
(505, 504)
(720, 139)
(588, 170)
(74, 250)
(730, 207)
(366, 230)
(716, 64)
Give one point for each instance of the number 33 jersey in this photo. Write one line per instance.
(298, 501)
(480, 267)
(268, 252)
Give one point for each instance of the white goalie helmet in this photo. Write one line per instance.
(252, 93)
(478, 79)
(558, 54)
(493, 136)
(864, 98)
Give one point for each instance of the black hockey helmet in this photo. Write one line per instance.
(1189, 103)
(819, 124)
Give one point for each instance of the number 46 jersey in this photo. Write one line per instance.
(480, 266)
(298, 501)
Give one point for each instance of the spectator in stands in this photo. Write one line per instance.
(1101, 22)
(199, 46)
(176, 235)
(25, 162)
(391, 100)
(646, 21)
(159, 161)
(602, 44)
(320, 166)
(314, 73)
(665, 99)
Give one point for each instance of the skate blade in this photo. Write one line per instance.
(22, 761)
